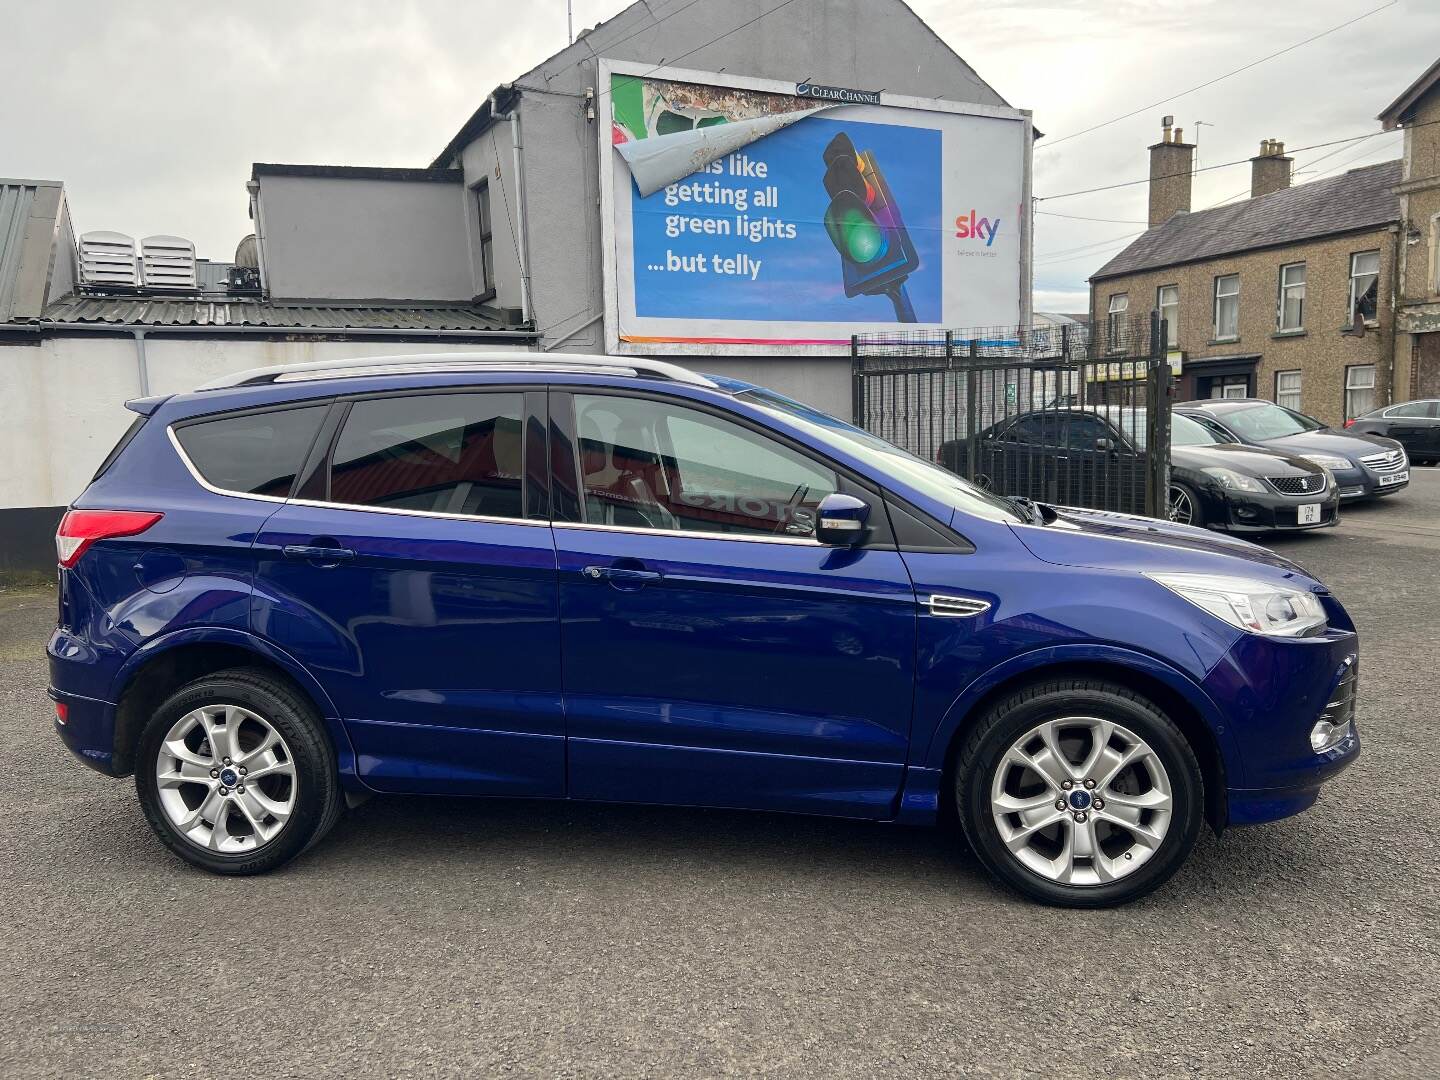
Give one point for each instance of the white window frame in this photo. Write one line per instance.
(1287, 287)
(1172, 320)
(1288, 397)
(1355, 384)
(1233, 297)
(1115, 317)
(1354, 277)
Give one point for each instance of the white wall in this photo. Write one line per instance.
(343, 238)
(63, 400)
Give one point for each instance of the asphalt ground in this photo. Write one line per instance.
(446, 936)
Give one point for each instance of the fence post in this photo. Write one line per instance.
(857, 384)
(972, 411)
(1157, 477)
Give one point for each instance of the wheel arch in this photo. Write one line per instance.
(154, 671)
(1180, 699)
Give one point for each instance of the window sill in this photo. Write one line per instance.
(480, 298)
(1223, 341)
(1373, 324)
(1287, 334)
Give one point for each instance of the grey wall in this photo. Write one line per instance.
(491, 154)
(365, 239)
(870, 44)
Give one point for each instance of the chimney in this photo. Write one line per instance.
(1171, 160)
(1270, 169)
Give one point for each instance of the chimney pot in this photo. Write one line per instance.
(1179, 134)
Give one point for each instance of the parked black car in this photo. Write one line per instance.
(1222, 484)
(1363, 465)
(1415, 425)
(1085, 454)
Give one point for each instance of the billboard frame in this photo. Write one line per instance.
(607, 67)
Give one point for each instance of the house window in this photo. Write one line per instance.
(1287, 389)
(1359, 390)
(1167, 299)
(1115, 321)
(1227, 307)
(487, 243)
(1364, 286)
(1292, 297)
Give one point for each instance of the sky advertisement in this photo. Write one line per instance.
(746, 216)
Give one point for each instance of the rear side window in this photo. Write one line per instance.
(257, 453)
(440, 453)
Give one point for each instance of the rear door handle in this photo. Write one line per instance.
(621, 575)
(313, 553)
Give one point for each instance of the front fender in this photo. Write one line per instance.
(1037, 660)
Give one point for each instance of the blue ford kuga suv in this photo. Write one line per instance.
(613, 579)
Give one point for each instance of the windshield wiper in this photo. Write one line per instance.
(1027, 509)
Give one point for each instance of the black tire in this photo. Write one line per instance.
(318, 798)
(1008, 720)
(1197, 508)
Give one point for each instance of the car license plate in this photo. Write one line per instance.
(1394, 478)
(1309, 514)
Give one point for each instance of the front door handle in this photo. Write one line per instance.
(621, 576)
(322, 556)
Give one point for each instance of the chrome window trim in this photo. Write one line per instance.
(690, 534)
(195, 474)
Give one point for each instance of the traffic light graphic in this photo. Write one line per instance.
(864, 223)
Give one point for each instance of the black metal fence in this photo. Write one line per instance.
(1065, 414)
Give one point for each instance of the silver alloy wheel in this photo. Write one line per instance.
(1182, 510)
(226, 779)
(1081, 801)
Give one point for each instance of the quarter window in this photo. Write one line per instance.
(655, 465)
(1115, 321)
(1364, 286)
(1292, 297)
(1167, 299)
(257, 453)
(1227, 307)
(1287, 389)
(1359, 390)
(440, 454)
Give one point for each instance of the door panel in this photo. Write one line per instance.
(435, 634)
(713, 653)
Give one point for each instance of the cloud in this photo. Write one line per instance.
(152, 113)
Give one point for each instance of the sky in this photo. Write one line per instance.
(152, 111)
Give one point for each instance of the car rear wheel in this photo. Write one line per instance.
(1079, 793)
(1185, 506)
(236, 774)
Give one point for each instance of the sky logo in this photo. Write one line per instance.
(981, 228)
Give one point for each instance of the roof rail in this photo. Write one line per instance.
(422, 363)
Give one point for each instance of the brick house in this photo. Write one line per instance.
(1283, 295)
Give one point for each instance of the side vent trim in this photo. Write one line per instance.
(957, 607)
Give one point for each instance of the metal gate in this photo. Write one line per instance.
(1059, 414)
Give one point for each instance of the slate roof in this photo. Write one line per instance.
(1358, 199)
(141, 311)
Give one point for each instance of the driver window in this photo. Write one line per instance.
(656, 465)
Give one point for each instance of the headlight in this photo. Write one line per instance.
(1256, 607)
(1233, 480)
(1330, 461)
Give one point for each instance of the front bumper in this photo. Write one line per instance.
(1276, 690)
(1256, 511)
(1361, 483)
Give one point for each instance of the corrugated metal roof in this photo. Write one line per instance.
(174, 312)
(1358, 199)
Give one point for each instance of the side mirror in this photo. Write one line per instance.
(1103, 443)
(840, 520)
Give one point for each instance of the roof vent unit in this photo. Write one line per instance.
(168, 262)
(107, 261)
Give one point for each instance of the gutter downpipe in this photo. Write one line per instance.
(142, 362)
(513, 116)
(253, 187)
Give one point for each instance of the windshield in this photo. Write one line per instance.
(937, 483)
(1269, 422)
(1187, 432)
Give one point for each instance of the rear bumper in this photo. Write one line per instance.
(88, 731)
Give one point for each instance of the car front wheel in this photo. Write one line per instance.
(1079, 793)
(236, 774)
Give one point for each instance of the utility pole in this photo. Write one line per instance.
(1198, 125)
(570, 20)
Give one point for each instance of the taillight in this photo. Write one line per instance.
(81, 528)
(1349, 422)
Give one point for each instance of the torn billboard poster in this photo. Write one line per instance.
(739, 214)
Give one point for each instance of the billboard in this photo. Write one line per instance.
(749, 216)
